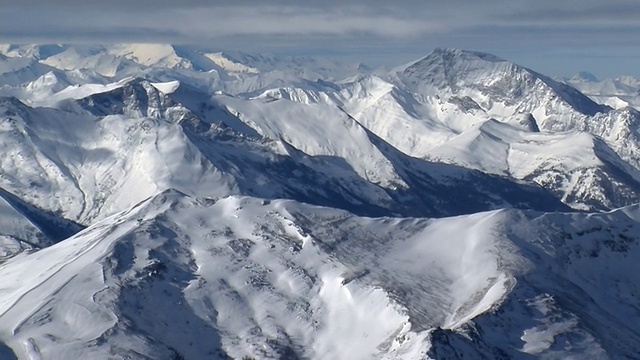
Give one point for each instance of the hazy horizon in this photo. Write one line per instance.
(555, 38)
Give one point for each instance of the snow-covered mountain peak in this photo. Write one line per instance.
(167, 87)
(499, 88)
(618, 93)
(87, 57)
(445, 67)
(47, 85)
(448, 57)
(629, 81)
(37, 52)
(253, 206)
(192, 277)
(155, 55)
(230, 64)
(451, 55)
(584, 76)
(134, 97)
(300, 67)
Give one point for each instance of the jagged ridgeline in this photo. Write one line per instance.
(162, 201)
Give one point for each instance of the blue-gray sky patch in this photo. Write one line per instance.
(555, 37)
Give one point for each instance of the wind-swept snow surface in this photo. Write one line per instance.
(171, 202)
(197, 277)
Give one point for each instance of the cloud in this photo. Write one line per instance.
(404, 27)
(191, 20)
(213, 22)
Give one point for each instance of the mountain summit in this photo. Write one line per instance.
(172, 202)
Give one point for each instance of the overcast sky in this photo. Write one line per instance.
(556, 37)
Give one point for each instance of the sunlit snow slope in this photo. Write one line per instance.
(174, 202)
(198, 278)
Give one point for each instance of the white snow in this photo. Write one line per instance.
(167, 87)
(230, 65)
(317, 130)
(100, 134)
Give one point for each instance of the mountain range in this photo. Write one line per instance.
(163, 201)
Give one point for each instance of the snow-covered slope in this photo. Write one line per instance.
(574, 317)
(133, 138)
(84, 167)
(618, 93)
(582, 169)
(17, 233)
(195, 277)
(210, 70)
(457, 89)
(433, 108)
(252, 206)
(16, 71)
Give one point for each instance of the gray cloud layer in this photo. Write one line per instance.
(384, 27)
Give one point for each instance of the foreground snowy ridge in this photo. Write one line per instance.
(248, 277)
(169, 202)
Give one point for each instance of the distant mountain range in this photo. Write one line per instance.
(173, 202)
